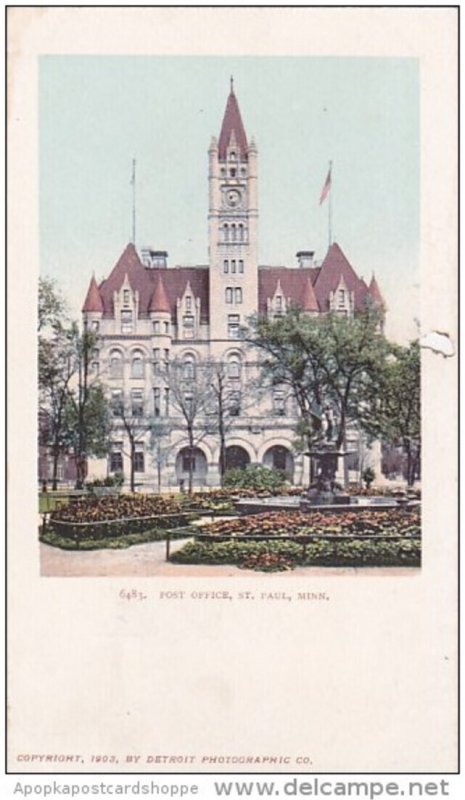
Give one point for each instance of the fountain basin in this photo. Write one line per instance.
(257, 505)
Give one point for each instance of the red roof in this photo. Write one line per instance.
(232, 122)
(293, 282)
(93, 301)
(375, 292)
(159, 301)
(309, 301)
(334, 267)
(145, 281)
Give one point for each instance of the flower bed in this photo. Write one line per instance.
(223, 500)
(112, 517)
(394, 522)
(286, 555)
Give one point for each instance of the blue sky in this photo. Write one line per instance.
(97, 113)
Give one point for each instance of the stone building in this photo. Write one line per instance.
(148, 315)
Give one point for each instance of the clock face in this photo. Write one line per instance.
(233, 198)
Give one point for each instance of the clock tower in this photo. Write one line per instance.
(233, 219)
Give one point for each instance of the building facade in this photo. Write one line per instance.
(158, 326)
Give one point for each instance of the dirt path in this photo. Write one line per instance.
(147, 560)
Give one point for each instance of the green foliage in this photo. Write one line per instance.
(266, 556)
(51, 307)
(255, 477)
(111, 481)
(368, 476)
(120, 542)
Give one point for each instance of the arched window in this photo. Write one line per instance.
(234, 367)
(226, 232)
(116, 364)
(233, 265)
(241, 232)
(137, 365)
(228, 295)
(188, 371)
(226, 265)
(238, 295)
(233, 232)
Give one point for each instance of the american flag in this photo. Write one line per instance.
(326, 187)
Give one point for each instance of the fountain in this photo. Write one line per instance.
(324, 491)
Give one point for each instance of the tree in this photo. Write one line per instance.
(330, 363)
(394, 412)
(135, 425)
(190, 389)
(52, 308)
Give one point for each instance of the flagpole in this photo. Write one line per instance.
(330, 207)
(133, 181)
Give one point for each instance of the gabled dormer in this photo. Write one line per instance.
(126, 307)
(341, 300)
(188, 314)
(277, 304)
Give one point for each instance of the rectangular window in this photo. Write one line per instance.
(235, 404)
(137, 403)
(116, 457)
(126, 297)
(126, 322)
(156, 326)
(139, 465)
(233, 326)
(229, 295)
(225, 266)
(341, 298)
(117, 402)
(188, 326)
(233, 265)
(156, 401)
(188, 304)
(167, 355)
(279, 406)
(95, 325)
(238, 295)
(166, 327)
(279, 303)
(241, 266)
(188, 403)
(167, 402)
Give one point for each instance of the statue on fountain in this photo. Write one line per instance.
(324, 489)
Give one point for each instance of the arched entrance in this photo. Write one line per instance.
(280, 457)
(195, 459)
(236, 457)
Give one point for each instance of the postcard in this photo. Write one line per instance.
(232, 314)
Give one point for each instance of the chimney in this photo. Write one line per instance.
(155, 259)
(305, 258)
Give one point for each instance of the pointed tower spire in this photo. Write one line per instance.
(93, 301)
(309, 301)
(232, 123)
(159, 301)
(375, 292)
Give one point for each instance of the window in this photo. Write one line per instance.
(156, 326)
(116, 364)
(95, 325)
(232, 172)
(225, 266)
(188, 403)
(126, 297)
(235, 404)
(95, 353)
(166, 353)
(279, 407)
(241, 232)
(241, 266)
(156, 401)
(226, 232)
(188, 371)
(234, 368)
(232, 155)
(137, 403)
(278, 303)
(189, 304)
(126, 322)
(94, 367)
(279, 457)
(139, 465)
(188, 326)
(233, 232)
(167, 401)
(166, 327)
(233, 326)
(238, 295)
(341, 295)
(228, 295)
(117, 402)
(116, 457)
(233, 265)
(137, 365)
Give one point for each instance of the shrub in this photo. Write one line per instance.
(368, 476)
(255, 477)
